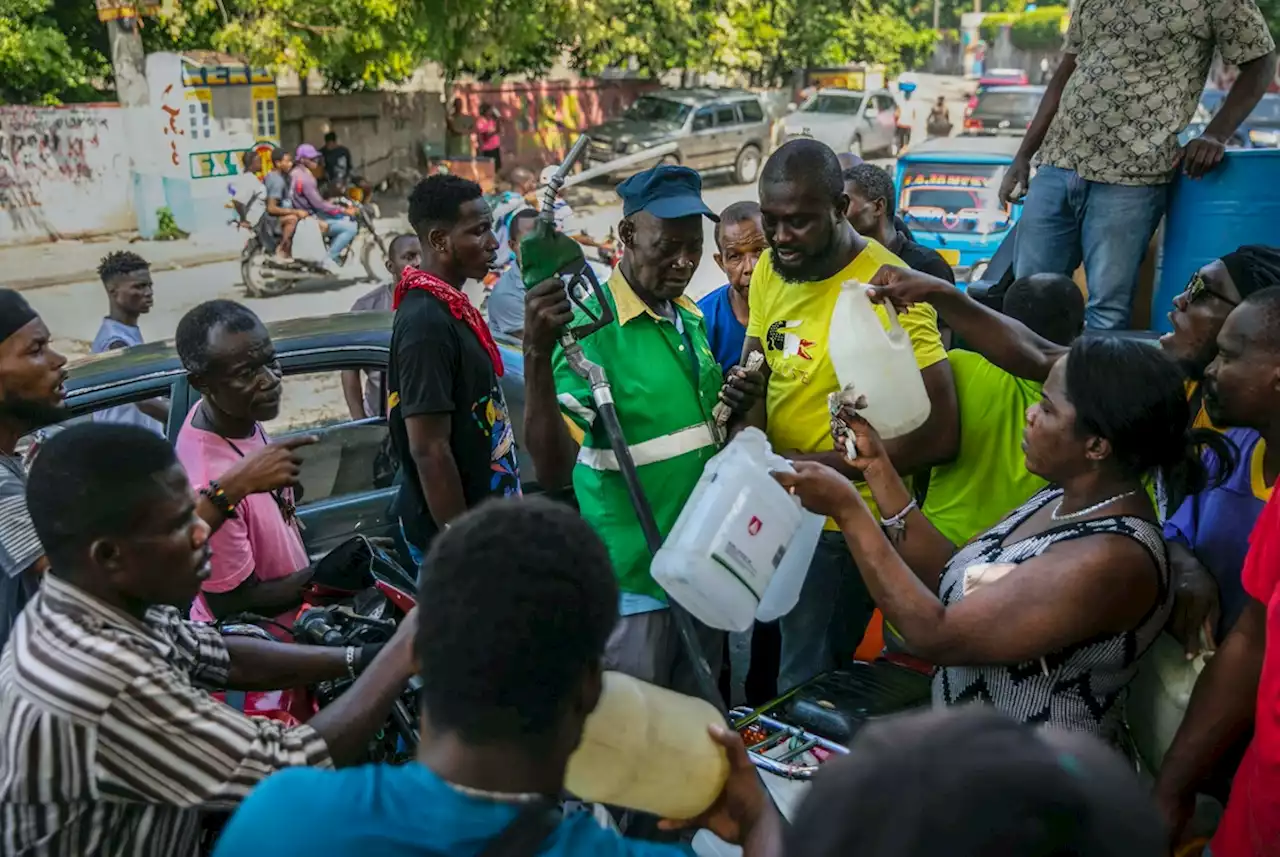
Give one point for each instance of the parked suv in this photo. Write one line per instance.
(712, 129)
(847, 120)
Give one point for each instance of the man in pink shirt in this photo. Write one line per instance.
(259, 562)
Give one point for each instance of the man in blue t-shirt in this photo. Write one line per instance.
(510, 644)
(739, 243)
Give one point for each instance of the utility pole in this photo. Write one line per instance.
(128, 60)
(937, 14)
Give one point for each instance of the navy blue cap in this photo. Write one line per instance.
(666, 191)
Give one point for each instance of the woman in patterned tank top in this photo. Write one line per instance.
(1045, 615)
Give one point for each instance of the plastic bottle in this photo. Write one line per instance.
(877, 363)
(647, 748)
(741, 546)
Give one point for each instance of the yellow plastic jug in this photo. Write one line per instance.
(647, 748)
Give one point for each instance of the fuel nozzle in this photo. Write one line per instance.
(546, 252)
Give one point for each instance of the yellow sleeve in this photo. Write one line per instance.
(921, 324)
(574, 431)
(756, 322)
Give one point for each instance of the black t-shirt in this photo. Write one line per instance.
(927, 261)
(337, 163)
(438, 366)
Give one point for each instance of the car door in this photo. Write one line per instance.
(699, 145)
(728, 136)
(888, 119)
(346, 486)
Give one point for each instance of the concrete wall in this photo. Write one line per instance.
(391, 131)
(64, 172)
(385, 131)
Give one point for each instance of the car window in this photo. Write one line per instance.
(885, 102)
(952, 198)
(751, 111)
(847, 105)
(353, 455)
(647, 108)
(123, 408)
(726, 116)
(703, 119)
(997, 101)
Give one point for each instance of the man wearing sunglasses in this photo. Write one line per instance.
(1200, 311)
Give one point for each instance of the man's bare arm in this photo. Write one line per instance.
(429, 436)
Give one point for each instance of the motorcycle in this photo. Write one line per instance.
(264, 276)
(357, 596)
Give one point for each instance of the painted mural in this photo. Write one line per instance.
(540, 120)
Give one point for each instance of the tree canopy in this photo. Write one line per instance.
(57, 51)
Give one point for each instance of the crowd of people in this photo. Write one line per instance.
(1069, 499)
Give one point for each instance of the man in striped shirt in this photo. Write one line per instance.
(108, 743)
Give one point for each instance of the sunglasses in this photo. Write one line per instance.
(1198, 288)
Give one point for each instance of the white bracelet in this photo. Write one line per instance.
(897, 522)
(351, 662)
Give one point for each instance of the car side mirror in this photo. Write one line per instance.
(792, 107)
(871, 113)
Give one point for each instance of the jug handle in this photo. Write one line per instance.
(895, 331)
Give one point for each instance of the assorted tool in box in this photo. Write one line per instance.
(775, 747)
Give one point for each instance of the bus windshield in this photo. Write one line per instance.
(953, 198)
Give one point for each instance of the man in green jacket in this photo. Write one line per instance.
(665, 384)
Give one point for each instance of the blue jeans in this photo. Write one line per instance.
(1067, 219)
(824, 628)
(342, 231)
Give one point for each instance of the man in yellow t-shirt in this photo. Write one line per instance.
(812, 251)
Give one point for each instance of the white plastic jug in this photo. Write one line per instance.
(741, 547)
(647, 748)
(879, 364)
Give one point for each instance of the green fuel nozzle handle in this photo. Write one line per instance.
(546, 252)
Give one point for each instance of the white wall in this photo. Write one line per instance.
(64, 172)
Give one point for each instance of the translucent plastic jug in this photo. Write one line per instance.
(879, 364)
(647, 748)
(741, 547)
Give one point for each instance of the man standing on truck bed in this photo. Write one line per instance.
(1107, 131)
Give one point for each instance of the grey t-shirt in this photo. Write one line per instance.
(278, 188)
(506, 302)
(114, 334)
(19, 545)
(378, 300)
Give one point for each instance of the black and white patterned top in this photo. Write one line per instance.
(1085, 682)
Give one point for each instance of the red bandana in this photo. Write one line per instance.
(458, 305)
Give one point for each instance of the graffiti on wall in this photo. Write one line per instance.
(55, 164)
(540, 120)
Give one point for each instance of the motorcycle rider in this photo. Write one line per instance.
(107, 745)
(306, 195)
(280, 203)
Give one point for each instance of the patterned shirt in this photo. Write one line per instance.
(1140, 68)
(20, 547)
(107, 747)
(1080, 687)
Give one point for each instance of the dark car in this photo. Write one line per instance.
(1004, 110)
(346, 484)
(1259, 130)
